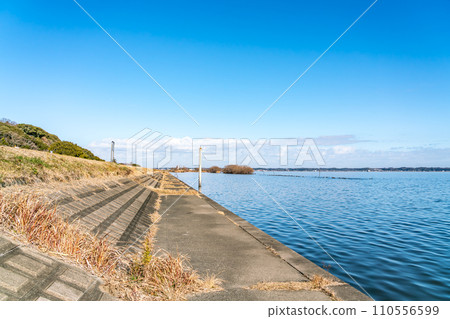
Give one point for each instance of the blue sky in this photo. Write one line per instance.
(386, 82)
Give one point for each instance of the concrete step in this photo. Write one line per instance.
(27, 274)
(122, 213)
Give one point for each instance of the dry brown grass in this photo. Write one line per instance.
(159, 276)
(53, 190)
(317, 283)
(169, 186)
(272, 250)
(34, 221)
(181, 191)
(292, 286)
(22, 166)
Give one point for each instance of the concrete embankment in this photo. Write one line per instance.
(219, 242)
(119, 209)
(252, 265)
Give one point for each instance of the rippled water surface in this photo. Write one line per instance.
(389, 231)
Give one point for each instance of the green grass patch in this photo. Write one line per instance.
(29, 166)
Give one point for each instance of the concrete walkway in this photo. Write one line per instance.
(221, 243)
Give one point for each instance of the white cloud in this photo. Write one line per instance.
(343, 149)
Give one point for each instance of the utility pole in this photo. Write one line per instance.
(200, 168)
(112, 151)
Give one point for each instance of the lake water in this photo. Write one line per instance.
(390, 231)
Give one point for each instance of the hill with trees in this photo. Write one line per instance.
(35, 138)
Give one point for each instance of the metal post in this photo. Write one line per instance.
(200, 168)
(112, 151)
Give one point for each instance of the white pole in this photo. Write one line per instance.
(112, 151)
(200, 168)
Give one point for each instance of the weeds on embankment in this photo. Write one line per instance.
(170, 187)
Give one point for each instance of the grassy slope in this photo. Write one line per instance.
(27, 166)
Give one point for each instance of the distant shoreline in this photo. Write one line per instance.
(334, 169)
(364, 169)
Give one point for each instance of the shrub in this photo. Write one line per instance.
(237, 169)
(14, 135)
(71, 149)
(38, 133)
(14, 139)
(214, 169)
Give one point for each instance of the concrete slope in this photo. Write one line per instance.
(122, 212)
(119, 210)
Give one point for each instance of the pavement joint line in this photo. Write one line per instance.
(93, 290)
(35, 290)
(10, 250)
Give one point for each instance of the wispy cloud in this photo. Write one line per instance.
(337, 151)
(338, 140)
(413, 157)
